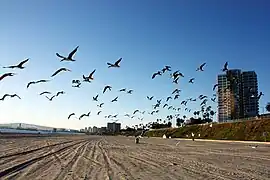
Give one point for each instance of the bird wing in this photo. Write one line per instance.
(118, 61)
(32, 82)
(56, 72)
(91, 74)
(72, 52)
(60, 56)
(21, 63)
(105, 89)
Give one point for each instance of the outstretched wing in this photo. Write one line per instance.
(73, 52)
(60, 56)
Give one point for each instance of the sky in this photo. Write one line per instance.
(147, 34)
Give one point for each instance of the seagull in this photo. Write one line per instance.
(6, 75)
(176, 96)
(107, 87)
(166, 68)
(99, 112)
(45, 92)
(213, 99)
(75, 81)
(155, 74)
(32, 82)
(20, 65)
(191, 80)
(59, 70)
(165, 105)
(116, 64)
(115, 99)
(100, 105)
(50, 99)
(77, 86)
(176, 91)
(130, 91)
(216, 85)
(168, 98)
(60, 92)
(150, 98)
(95, 98)
(88, 114)
(72, 114)
(13, 95)
(225, 68)
(43, 80)
(69, 58)
(201, 67)
(136, 111)
(90, 75)
(176, 80)
(123, 90)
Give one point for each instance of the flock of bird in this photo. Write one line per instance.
(205, 109)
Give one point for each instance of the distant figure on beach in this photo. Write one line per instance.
(137, 140)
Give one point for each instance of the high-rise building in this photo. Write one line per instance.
(237, 95)
(113, 127)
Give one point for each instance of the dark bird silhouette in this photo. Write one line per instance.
(166, 68)
(176, 96)
(42, 81)
(155, 74)
(20, 65)
(213, 99)
(51, 98)
(99, 112)
(107, 87)
(201, 67)
(216, 85)
(69, 58)
(184, 103)
(6, 75)
(176, 91)
(191, 80)
(127, 115)
(95, 98)
(159, 101)
(130, 91)
(10, 95)
(115, 99)
(168, 98)
(150, 98)
(59, 70)
(170, 107)
(261, 94)
(165, 105)
(72, 114)
(90, 77)
(123, 90)
(225, 68)
(45, 92)
(136, 111)
(88, 114)
(75, 81)
(115, 116)
(116, 64)
(32, 82)
(100, 105)
(60, 92)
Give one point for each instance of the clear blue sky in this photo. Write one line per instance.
(146, 34)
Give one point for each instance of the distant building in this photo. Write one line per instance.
(237, 95)
(90, 130)
(95, 129)
(113, 127)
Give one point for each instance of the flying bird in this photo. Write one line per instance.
(95, 98)
(166, 68)
(130, 91)
(59, 70)
(115, 99)
(155, 74)
(42, 81)
(191, 80)
(107, 87)
(90, 77)
(69, 58)
(20, 65)
(123, 90)
(168, 98)
(72, 114)
(201, 67)
(6, 75)
(150, 98)
(77, 86)
(100, 105)
(99, 112)
(45, 92)
(225, 68)
(32, 82)
(51, 98)
(88, 114)
(136, 111)
(10, 95)
(116, 64)
(216, 85)
(60, 92)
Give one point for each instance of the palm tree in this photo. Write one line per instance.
(267, 107)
